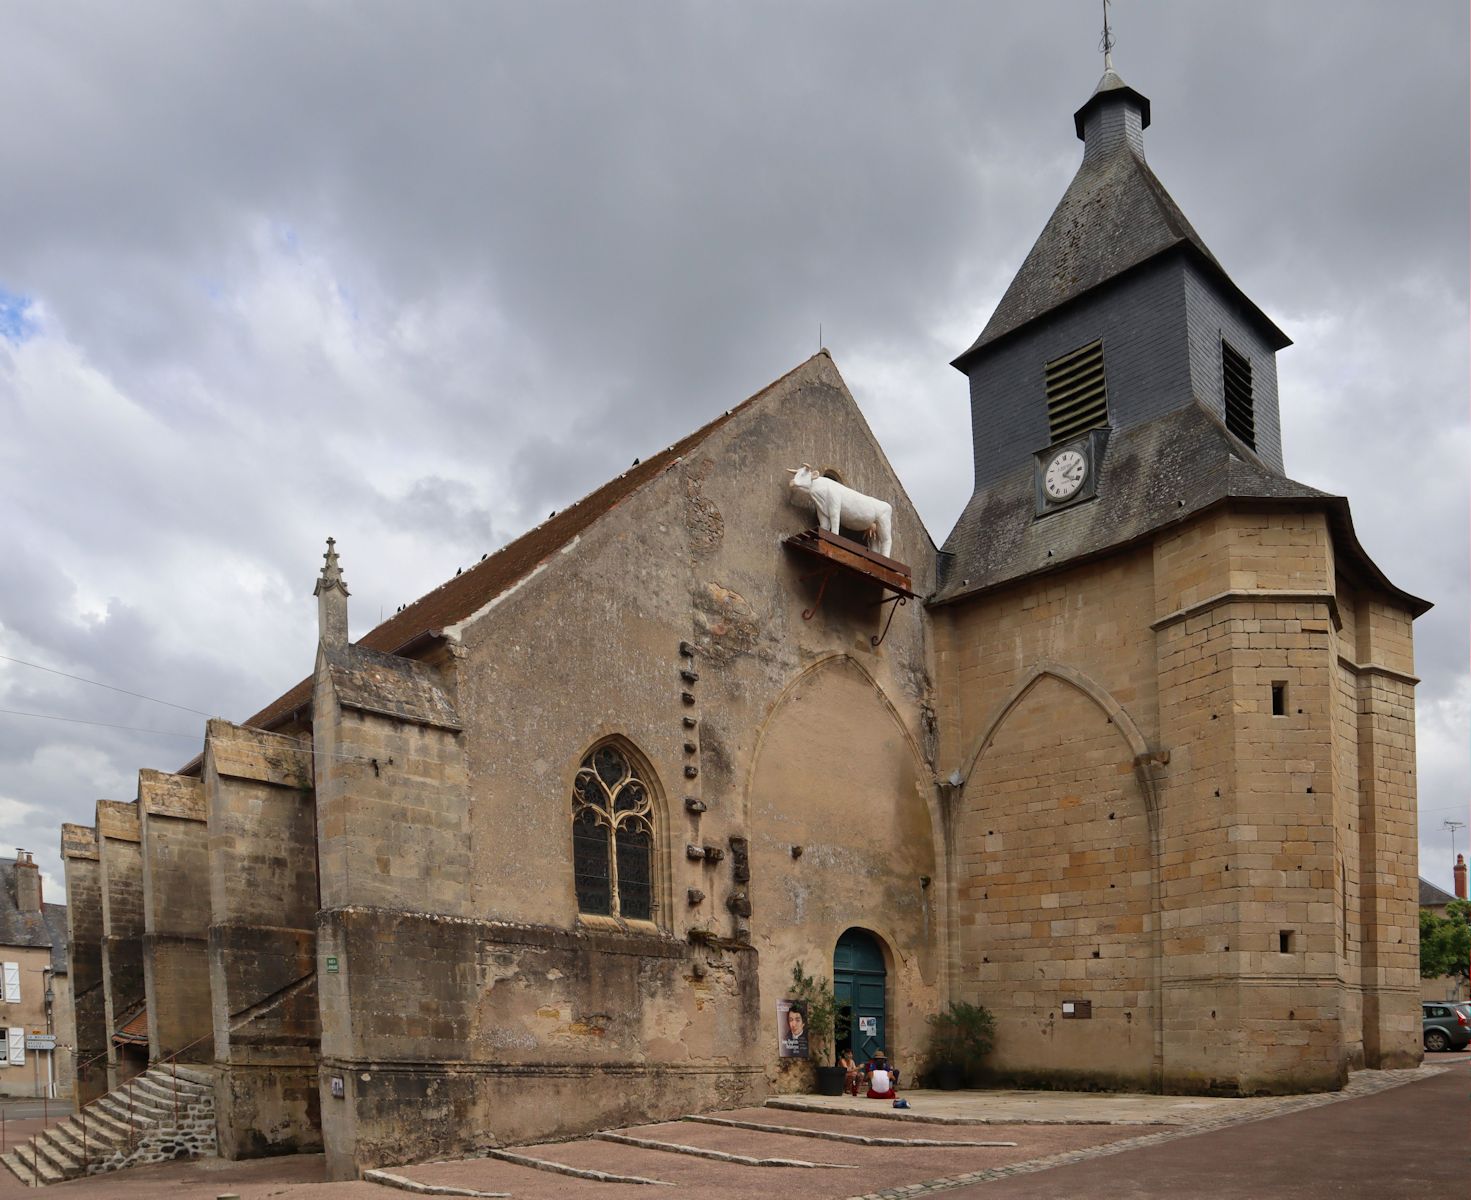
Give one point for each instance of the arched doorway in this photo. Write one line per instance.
(859, 981)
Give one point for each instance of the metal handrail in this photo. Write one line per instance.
(82, 1068)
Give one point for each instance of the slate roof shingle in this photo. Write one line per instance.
(1152, 475)
(1114, 216)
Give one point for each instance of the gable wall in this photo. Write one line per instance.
(681, 1010)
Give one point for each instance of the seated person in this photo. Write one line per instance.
(881, 1077)
(852, 1072)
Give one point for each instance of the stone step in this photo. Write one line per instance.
(199, 1076)
(151, 1107)
(102, 1124)
(164, 1092)
(130, 1116)
(164, 1077)
(53, 1152)
(95, 1133)
(21, 1170)
(42, 1170)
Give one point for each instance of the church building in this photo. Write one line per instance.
(1129, 760)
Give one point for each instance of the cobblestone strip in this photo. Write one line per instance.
(624, 1139)
(884, 1114)
(556, 1168)
(403, 1184)
(1363, 1083)
(855, 1139)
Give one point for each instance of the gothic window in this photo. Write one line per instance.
(613, 836)
(1077, 399)
(1236, 383)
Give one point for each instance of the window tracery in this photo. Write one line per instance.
(613, 836)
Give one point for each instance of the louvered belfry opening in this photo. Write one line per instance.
(1236, 376)
(1076, 397)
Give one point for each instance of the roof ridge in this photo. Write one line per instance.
(464, 593)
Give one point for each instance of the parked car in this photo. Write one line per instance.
(1446, 1026)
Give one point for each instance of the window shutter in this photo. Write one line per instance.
(1236, 383)
(1077, 398)
(12, 983)
(17, 1045)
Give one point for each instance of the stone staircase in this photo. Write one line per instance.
(154, 1117)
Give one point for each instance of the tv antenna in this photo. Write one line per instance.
(1455, 827)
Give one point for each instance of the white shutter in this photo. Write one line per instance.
(17, 1045)
(12, 983)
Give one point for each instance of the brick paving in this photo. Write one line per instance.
(1375, 1139)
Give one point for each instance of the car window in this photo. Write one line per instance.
(1435, 1010)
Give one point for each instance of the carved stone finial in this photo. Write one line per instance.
(331, 593)
(331, 576)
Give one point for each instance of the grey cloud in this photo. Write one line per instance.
(415, 275)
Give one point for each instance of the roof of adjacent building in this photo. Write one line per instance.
(469, 591)
(1432, 896)
(1114, 216)
(1154, 475)
(44, 930)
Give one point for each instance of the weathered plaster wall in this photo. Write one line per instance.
(174, 830)
(84, 959)
(589, 647)
(262, 940)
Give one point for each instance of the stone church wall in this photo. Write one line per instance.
(84, 959)
(1259, 854)
(678, 1013)
(176, 916)
(121, 878)
(262, 940)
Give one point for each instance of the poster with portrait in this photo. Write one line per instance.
(791, 1028)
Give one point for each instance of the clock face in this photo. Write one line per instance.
(1065, 474)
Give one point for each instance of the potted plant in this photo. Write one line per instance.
(826, 1022)
(960, 1038)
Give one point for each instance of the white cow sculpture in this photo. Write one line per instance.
(838, 504)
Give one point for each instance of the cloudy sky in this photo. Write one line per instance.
(416, 274)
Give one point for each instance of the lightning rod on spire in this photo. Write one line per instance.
(1105, 43)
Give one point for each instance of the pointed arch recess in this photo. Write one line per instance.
(1146, 770)
(923, 772)
(1144, 758)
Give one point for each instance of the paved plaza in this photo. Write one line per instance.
(1389, 1134)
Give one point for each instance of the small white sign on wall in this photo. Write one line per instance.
(869, 1025)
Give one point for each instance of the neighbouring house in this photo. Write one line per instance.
(35, 991)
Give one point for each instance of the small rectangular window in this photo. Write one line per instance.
(1284, 942)
(1077, 399)
(1279, 699)
(1236, 381)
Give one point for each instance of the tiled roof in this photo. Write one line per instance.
(470, 591)
(18, 928)
(1432, 896)
(133, 1031)
(55, 915)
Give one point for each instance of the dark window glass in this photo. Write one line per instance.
(612, 837)
(590, 863)
(635, 884)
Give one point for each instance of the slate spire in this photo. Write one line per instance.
(331, 593)
(1115, 215)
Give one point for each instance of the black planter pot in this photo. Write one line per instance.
(947, 1076)
(830, 1080)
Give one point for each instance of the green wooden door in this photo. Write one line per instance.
(858, 985)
